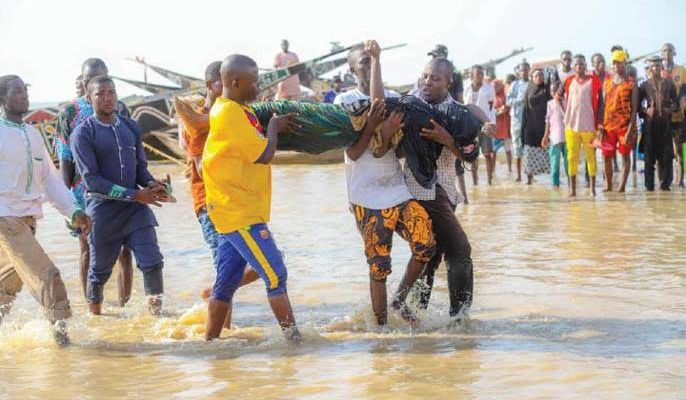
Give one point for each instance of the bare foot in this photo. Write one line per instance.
(155, 305)
(406, 313)
(571, 195)
(607, 190)
(95, 309)
(621, 189)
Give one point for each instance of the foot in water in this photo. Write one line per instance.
(406, 313)
(60, 333)
(155, 305)
(292, 334)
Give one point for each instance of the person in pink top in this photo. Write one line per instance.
(582, 116)
(554, 138)
(289, 89)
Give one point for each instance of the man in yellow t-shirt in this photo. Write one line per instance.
(237, 178)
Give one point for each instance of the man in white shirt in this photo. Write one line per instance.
(377, 192)
(482, 94)
(28, 177)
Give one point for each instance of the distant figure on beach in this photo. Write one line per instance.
(288, 89)
(236, 169)
(659, 101)
(554, 137)
(619, 121)
(108, 151)
(501, 138)
(582, 118)
(336, 88)
(70, 116)
(536, 159)
(28, 179)
(515, 100)
(481, 94)
(677, 73)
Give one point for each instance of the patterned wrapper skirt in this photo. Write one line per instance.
(536, 160)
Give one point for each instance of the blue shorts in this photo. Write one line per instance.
(103, 254)
(253, 245)
(209, 233)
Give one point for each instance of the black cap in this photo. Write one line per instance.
(438, 51)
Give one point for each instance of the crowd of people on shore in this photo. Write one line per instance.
(105, 189)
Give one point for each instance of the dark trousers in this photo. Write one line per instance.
(665, 171)
(453, 246)
(658, 148)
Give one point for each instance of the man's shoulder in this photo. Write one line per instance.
(84, 128)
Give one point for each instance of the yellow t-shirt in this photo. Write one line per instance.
(238, 190)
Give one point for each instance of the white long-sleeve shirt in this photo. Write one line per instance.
(27, 175)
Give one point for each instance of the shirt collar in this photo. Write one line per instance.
(97, 121)
(11, 124)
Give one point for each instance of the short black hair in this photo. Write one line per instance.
(5, 81)
(94, 63)
(580, 57)
(98, 80)
(566, 52)
(477, 66)
(597, 55)
(212, 71)
(444, 63)
(616, 47)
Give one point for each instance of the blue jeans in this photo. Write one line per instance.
(209, 233)
(556, 151)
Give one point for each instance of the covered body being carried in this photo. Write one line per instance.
(325, 127)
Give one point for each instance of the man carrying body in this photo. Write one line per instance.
(481, 94)
(28, 177)
(619, 122)
(515, 100)
(377, 192)
(108, 151)
(237, 174)
(69, 117)
(582, 117)
(441, 199)
(658, 99)
(289, 88)
(195, 126)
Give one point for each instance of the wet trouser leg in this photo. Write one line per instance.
(454, 245)
(23, 262)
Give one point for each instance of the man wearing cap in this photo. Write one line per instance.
(658, 100)
(677, 74)
(618, 131)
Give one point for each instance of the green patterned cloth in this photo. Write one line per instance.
(324, 126)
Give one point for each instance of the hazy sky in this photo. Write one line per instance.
(46, 41)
